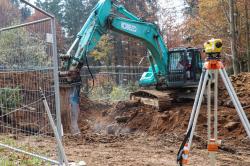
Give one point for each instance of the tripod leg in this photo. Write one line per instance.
(190, 124)
(209, 108)
(197, 110)
(196, 99)
(235, 101)
(212, 155)
(216, 105)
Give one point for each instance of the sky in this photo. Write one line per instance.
(31, 1)
(172, 3)
(175, 6)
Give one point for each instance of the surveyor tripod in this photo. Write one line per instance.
(213, 67)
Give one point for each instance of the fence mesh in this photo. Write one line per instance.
(26, 64)
(111, 83)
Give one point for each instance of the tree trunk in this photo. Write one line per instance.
(233, 38)
(247, 34)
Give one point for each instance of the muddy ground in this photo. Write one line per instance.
(131, 134)
(128, 133)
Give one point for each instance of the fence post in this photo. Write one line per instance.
(56, 84)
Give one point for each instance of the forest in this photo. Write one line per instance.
(188, 25)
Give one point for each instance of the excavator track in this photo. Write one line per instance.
(158, 99)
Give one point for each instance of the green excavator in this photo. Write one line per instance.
(171, 75)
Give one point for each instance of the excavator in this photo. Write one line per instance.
(173, 73)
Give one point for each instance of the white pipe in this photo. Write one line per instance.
(72, 46)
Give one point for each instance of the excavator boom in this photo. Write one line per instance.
(168, 69)
(102, 20)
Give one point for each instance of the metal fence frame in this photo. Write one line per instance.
(50, 18)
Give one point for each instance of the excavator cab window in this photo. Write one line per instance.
(184, 67)
(197, 65)
(193, 59)
(177, 65)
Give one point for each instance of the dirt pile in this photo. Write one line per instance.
(129, 117)
(147, 119)
(132, 117)
(241, 84)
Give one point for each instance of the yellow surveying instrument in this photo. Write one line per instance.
(211, 69)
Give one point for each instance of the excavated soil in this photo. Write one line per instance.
(132, 134)
(129, 133)
(131, 117)
(241, 84)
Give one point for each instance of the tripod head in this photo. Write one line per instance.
(213, 49)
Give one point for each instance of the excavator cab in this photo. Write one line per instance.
(184, 70)
(184, 67)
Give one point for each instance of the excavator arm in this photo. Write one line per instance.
(103, 19)
(107, 16)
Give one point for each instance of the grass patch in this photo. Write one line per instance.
(11, 158)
